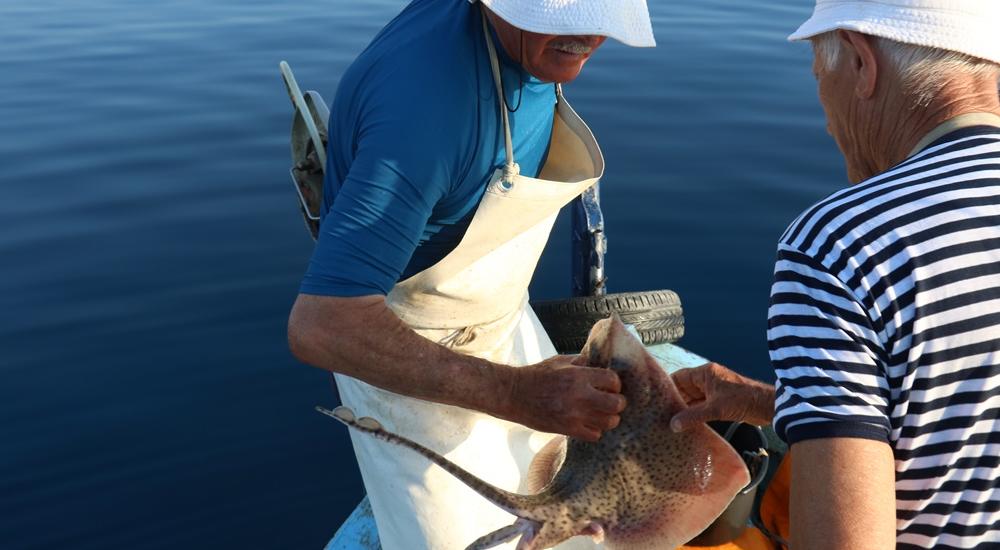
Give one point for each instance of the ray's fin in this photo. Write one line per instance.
(524, 528)
(686, 512)
(546, 463)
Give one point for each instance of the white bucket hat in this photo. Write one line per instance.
(971, 27)
(627, 21)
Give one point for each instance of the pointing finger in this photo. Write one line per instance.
(692, 416)
(680, 421)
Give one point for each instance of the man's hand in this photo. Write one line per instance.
(558, 396)
(714, 392)
(362, 338)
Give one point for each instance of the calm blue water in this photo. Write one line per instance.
(150, 246)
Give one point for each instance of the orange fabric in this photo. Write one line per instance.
(774, 504)
(773, 514)
(750, 539)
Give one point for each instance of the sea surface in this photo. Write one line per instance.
(150, 245)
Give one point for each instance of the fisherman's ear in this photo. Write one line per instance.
(862, 61)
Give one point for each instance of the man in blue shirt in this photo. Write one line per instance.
(451, 150)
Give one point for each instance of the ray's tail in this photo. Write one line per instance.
(519, 505)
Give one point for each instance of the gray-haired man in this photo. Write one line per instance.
(884, 328)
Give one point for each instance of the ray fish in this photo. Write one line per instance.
(640, 487)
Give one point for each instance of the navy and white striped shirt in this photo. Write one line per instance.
(885, 324)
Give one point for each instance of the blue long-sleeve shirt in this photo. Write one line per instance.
(415, 134)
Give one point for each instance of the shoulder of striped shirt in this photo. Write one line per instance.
(938, 151)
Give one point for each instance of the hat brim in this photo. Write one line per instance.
(626, 21)
(953, 30)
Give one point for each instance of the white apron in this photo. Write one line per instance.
(475, 301)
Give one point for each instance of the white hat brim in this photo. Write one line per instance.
(627, 21)
(932, 23)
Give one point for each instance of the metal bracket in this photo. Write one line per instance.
(589, 244)
(308, 141)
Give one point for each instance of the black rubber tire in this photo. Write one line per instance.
(656, 314)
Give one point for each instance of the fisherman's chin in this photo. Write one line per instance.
(559, 66)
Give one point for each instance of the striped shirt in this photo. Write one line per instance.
(884, 324)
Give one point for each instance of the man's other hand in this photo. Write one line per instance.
(713, 392)
(558, 396)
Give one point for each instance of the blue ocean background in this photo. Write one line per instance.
(150, 245)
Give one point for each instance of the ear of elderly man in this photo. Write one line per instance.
(883, 327)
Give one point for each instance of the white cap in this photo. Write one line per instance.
(965, 26)
(627, 21)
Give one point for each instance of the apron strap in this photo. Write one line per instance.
(510, 169)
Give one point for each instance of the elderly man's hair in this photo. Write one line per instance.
(922, 70)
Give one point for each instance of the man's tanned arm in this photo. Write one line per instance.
(362, 338)
(843, 495)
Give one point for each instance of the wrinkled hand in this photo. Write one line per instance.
(714, 392)
(559, 395)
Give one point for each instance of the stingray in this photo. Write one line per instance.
(641, 486)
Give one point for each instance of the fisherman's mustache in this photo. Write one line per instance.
(572, 46)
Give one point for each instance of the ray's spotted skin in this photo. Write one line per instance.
(640, 487)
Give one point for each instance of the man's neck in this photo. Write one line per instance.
(910, 129)
(961, 121)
